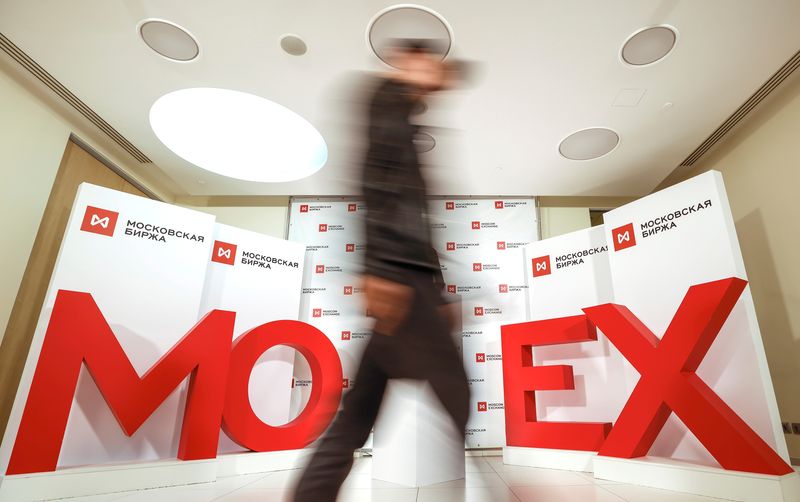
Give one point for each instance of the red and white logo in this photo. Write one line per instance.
(478, 311)
(498, 204)
(449, 205)
(352, 208)
(320, 269)
(303, 208)
(501, 245)
(348, 290)
(323, 227)
(480, 357)
(503, 288)
(99, 221)
(349, 248)
(541, 266)
(451, 288)
(316, 313)
(345, 383)
(345, 335)
(623, 237)
(482, 406)
(451, 246)
(476, 225)
(224, 253)
(477, 267)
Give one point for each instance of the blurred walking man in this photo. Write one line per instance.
(411, 336)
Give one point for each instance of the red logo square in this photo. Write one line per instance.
(224, 253)
(482, 406)
(623, 237)
(348, 290)
(541, 266)
(451, 246)
(498, 204)
(303, 208)
(480, 357)
(476, 225)
(477, 267)
(501, 245)
(323, 227)
(451, 288)
(345, 335)
(320, 269)
(345, 383)
(478, 311)
(99, 221)
(504, 288)
(351, 208)
(449, 206)
(316, 313)
(349, 248)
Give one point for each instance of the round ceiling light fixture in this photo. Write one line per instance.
(424, 142)
(588, 144)
(293, 45)
(238, 135)
(649, 45)
(169, 40)
(407, 21)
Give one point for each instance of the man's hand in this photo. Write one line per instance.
(388, 302)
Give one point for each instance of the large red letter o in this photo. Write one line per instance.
(240, 422)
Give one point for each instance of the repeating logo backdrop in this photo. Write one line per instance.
(479, 242)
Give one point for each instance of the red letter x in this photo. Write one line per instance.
(668, 382)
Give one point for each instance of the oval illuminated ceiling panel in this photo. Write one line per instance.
(238, 135)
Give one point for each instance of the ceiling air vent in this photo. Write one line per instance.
(741, 112)
(33, 67)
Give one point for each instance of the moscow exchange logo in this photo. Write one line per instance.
(480, 357)
(498, 204)
(541, 266)
(303, 208)
(319, 269)
(224, 253)
(349, 248)
(482, 406)
(451, 288)
(345, 335)
(449, 206)
(323, 227)
(478, 311)
(351, 208)
(451, 246)
(99, 221)
(476, 225)
(623, 237)
(501, 245)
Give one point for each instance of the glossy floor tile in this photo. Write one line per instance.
(487, 480)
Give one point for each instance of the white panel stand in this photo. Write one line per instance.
(415, 441)
(544, 458)
(699, 480)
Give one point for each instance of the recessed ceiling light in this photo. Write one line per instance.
(169, 40)
(238, 135)
(649, 45)
(293, 45)
(407, 21)
(424, 142)
(588, 144)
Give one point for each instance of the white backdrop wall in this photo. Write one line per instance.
(479, 242)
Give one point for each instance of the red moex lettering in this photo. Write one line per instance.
(668, 383)
(218, 372)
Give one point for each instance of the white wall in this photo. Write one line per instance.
(32, 142)
(563, 220)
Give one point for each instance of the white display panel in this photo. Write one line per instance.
(465, 232)
(260, 278)
(679, 237)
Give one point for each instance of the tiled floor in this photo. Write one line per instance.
(487, 480)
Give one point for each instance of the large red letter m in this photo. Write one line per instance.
(79, 333)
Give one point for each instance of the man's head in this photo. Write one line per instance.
(419, 63)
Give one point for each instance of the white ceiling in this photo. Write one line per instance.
(547, 69)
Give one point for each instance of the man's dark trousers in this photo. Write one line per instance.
(422, 349)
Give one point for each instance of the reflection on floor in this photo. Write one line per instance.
(487, 480)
